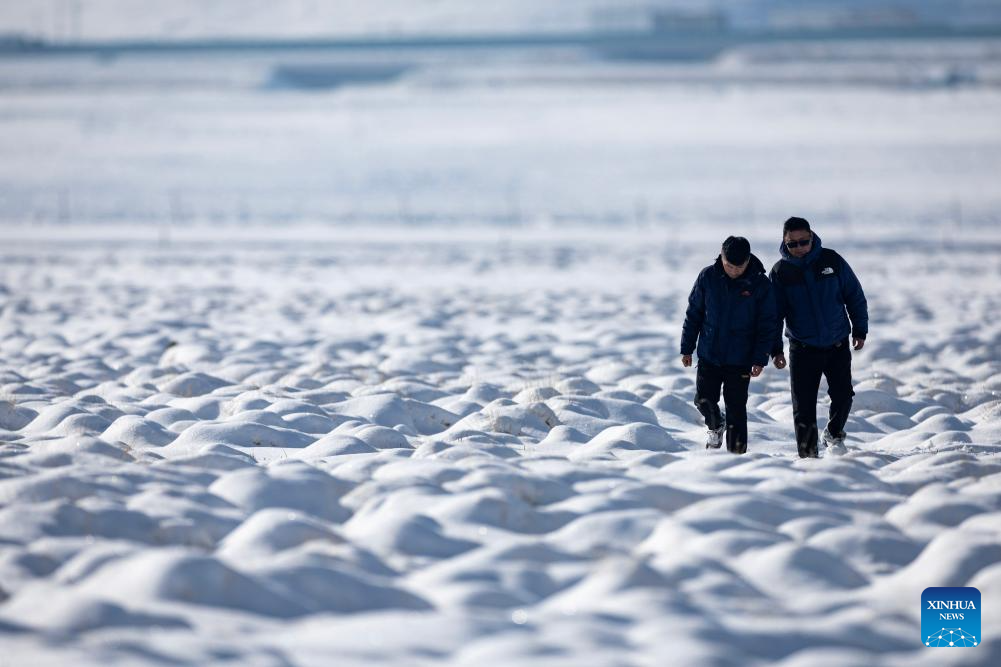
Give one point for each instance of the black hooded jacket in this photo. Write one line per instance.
(815, 296)
(734, 321)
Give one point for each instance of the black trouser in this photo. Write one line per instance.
(734, 380)
(806, 365)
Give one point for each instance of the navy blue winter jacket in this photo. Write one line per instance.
(816, 295)
(733, 320)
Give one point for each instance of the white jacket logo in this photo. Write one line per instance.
(827, 271)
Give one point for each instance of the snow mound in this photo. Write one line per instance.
(331, 590)
(70, 613)
(15, 418)
(535, 394)
(235, 434)
(809, 569)
(382, 409)
(336, 444)
(612, 576)
(181, 576)
(138, 433)
(380, 437)
(293, 486)
(577, 385)
(268, 531)
(193, 384)
(413, 535)
(633, 436)
(493, 508)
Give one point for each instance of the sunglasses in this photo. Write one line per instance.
(798, 244)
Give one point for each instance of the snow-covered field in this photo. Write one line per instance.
(234, 432)
(429, 447)
(220, 140)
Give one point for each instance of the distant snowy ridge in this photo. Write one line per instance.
(187, 19)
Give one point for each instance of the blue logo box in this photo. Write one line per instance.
(950, 617)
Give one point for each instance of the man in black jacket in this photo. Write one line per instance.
(731, 313)
(816, 293)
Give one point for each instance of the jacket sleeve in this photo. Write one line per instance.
(855, 302)
(694, 316)
(764, 340)
(781, 308)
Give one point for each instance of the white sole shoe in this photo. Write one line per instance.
(835, 446)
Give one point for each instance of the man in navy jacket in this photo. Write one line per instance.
(731, 313)
(816, 293)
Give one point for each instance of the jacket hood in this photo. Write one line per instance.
(806, 259)
(754, 266)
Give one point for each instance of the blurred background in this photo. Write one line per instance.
(661, 114)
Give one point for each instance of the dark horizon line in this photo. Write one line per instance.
(722, 37)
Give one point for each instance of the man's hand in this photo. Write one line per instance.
(756, 371)
(858, 343)
(686, 360)
(779, 361)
